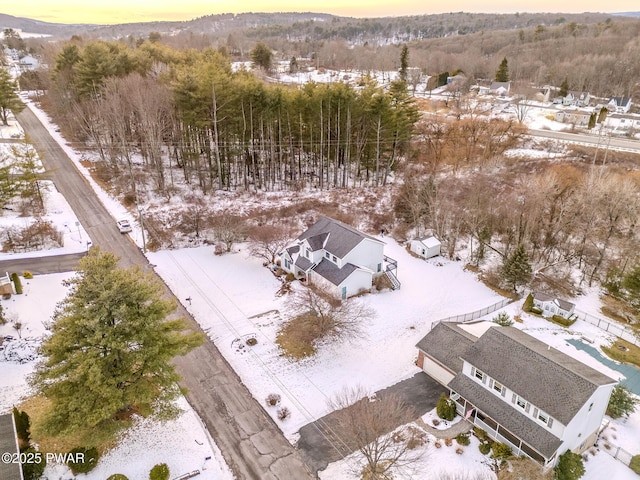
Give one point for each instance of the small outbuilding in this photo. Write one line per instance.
(426, 247)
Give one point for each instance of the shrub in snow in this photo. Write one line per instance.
(446, 408)
(283, 413)
(33, 470)
(448, 442)
(417, 438)
(570, 466)
(438, 444)
(117, 476)
(159, 472)
(463, 439)
(484, 448)
(459, 450)
(635, 464)
(273, 399)
(90, 456)
(27, 275)
(528, 303)
(16, 283)
(503, 319)
(23, 427)
(251, 341)
(622, 402)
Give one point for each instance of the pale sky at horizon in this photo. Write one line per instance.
(129, 11)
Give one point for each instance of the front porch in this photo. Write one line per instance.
(496, 431)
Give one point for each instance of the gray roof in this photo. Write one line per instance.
(330, 271)
(543, 297)
(620, 101)
(335, 237)
(9, 444)
(549, 379)
(293, 249)
(563, 304)
(502, 412)
(446, 343)
(303, 263)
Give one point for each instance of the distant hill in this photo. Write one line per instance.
(303, 26)
(628, 14)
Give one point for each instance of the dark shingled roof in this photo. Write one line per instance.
(8, 444)
(517, 423)
(331, 272)
(549, 379)
(563, 304)
(341, 237)
(543, 297)
(293, 249)
(303, 262)
(446, 342)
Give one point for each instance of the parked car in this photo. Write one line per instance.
(123, 225)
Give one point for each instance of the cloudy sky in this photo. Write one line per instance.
(126, 11)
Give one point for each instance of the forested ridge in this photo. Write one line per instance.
(227, 130)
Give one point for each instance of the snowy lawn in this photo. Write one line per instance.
(233, 297)
(436, 461)
(182, 443)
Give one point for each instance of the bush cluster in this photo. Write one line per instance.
(91, 456)
(635, 464)
(463, 439)
(16, 283)
(446, 408)
(565, 322)
(535, 310)
(159, 472)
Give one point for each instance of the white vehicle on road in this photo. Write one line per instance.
(123, 225)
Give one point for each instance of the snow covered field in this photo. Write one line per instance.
(182, 443)
(233, 297)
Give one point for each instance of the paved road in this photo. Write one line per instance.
(591, 140)
(321, 443)
(251, 443)
(42, 265)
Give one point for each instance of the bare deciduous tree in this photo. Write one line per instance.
(378, 429)
(268, 240)
(332, 317)
(228, 229)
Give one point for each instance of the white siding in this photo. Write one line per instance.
(586, 421)
(421, 249)
(368, 253)
(358, 281)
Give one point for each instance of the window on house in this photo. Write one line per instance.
(334, 258)
(590, 406)
(521, 402)
(498, 387)
(543, 417)
(379, 267)
(306, 253)
(479, 375)
(326, 255)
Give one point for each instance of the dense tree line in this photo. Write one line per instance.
(225, 129)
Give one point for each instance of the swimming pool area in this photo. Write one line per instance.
(630, 373)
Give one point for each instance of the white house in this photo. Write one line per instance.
(28, 63)
(574, 117)
(338, 258)
(621, 121)
(552, 305)
(619, 104)
(521, 391)
(426, 247)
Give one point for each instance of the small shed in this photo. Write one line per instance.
(426, 247)
(6, 285)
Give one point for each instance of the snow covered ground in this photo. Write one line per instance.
(183, 443)
(233, 296)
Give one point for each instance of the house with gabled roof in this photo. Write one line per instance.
(619, 104)
(521, 391)
(337, 257)
(551, 305)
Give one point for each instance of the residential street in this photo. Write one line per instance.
(251, 443)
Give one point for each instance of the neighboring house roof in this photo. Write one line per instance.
(293, 249)
(564, 305)
(498, 85)
(543, 297)
(430, 242)
(546, 377)
(620, 101)
(335, 237)
(8, 444)
(332, 272)
(517, 423)
(446, 343)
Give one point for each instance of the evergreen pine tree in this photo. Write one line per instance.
(564, 88)
(261, 56)
(516, 269)
(110, 348)
(602, 114)
(631, 285)
(404, 63)
(502, 74)
(9, 100)
(592, 120)
(570, 466)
